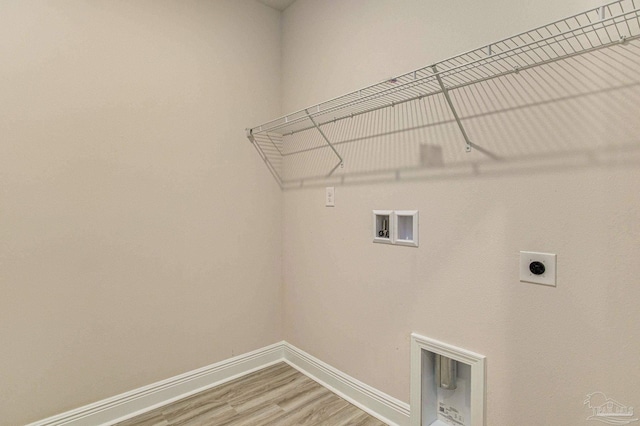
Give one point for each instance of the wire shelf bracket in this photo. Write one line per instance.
(340, 160)
(445, 92)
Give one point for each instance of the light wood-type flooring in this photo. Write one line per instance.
(277, 395)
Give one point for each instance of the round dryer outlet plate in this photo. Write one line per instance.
(531, 274)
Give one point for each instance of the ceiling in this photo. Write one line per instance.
(277, 4)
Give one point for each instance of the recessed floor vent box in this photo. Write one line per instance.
(447, 384)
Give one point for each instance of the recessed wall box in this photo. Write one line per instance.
(447, 384)
(406, 227)
(383, 226)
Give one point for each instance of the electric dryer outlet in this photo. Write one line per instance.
(538, 268)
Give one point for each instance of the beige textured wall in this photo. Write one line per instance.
(353, 303)
(140, 234)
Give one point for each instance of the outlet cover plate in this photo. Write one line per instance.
(330, 196)
(549, 262)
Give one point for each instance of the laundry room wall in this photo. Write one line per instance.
(567, 183)
(140, 234)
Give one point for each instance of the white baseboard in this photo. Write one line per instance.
(380, 405)
(141, 400)
(135, 402)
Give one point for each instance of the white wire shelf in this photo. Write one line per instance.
(614, 24)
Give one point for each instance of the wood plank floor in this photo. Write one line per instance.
(278, 395)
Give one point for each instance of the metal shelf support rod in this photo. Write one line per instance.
(445, 92)
(341, 162)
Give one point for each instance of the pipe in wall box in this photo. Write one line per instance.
(446, 372)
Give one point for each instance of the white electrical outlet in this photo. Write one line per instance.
(538, 268)
(330, 197)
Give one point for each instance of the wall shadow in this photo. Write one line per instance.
(579, 112)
